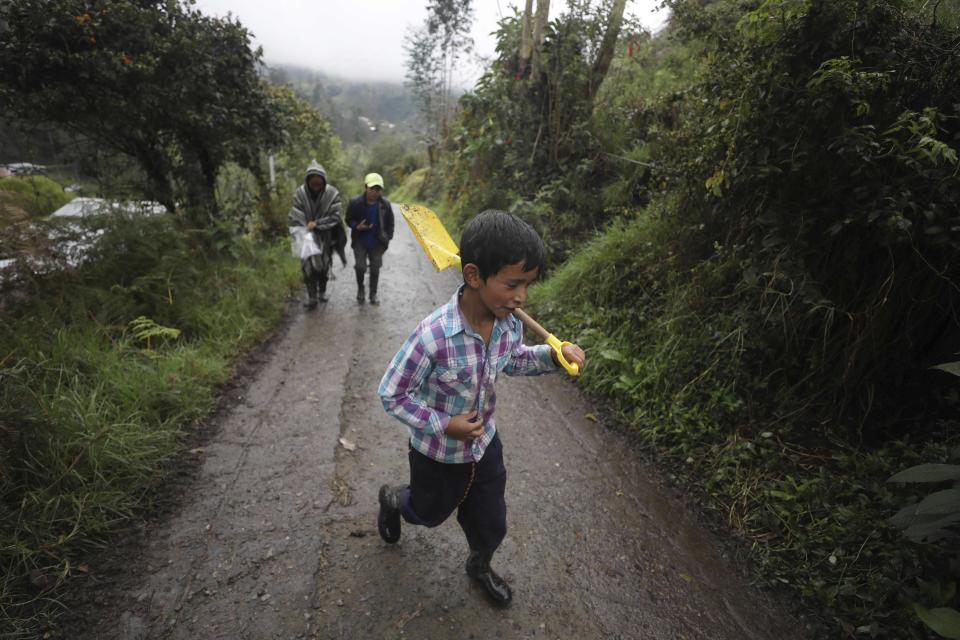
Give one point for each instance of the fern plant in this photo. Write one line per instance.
(146, 330)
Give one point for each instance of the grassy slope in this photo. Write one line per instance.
(92, 410)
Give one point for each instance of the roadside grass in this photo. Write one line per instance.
(413, 188)
(93, 405)
(680, 361)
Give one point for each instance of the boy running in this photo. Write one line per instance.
(441, 384)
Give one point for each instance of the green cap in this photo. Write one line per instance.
(373, 180)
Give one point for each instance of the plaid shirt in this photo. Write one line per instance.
(443, 369)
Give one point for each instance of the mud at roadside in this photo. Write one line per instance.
(274, 535)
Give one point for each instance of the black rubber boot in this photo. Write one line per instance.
(360, 296)
(388, 520)
(322, 288)
(496, 588)
(374, 280)
(311, 302)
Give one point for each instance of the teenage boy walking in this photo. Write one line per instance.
(441, 385)
(370, 218)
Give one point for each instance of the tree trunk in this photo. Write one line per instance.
(539, 33)
(201, 189)
(526, 40)
(607, 47)
(211, 169)
(157, 168)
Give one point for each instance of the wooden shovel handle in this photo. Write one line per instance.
(532, 324)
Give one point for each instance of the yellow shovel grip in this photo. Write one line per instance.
(572, 367)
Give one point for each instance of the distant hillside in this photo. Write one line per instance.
(353, 107)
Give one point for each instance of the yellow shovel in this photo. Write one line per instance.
(443, 252)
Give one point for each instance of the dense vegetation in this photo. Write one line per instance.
(753, 227)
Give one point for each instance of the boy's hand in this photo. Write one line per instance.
(466, 426)
(573, 353)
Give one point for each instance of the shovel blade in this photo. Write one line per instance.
(440, 248)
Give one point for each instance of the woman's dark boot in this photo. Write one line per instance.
(322, 288)
(311, 302)
(496, 588)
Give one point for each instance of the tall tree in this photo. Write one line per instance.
(433, 53)
(449, 22)
(526, 134)
(425, 81)
(526, 36)
(540, 21)
(607, 48)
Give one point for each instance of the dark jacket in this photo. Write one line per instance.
(357, 213)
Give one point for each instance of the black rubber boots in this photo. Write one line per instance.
(496, 588)
(374, 280)
(388, 520)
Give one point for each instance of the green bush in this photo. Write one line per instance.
(37, 195)
(830, 184)
(308, 137)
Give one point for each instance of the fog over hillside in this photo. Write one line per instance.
(352, 106)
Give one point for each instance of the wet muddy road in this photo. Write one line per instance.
(274, 535)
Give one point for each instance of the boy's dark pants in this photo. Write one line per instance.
(436, 489)
(360, 257)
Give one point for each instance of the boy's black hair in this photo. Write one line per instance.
(495, 239)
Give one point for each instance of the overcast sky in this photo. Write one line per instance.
(363, 39)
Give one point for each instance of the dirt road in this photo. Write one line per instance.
(275, 534)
